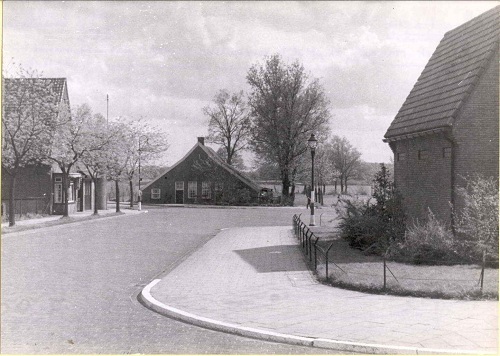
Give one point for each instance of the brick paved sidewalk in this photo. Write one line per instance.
(256, 278)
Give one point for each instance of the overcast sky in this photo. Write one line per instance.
(165, 60)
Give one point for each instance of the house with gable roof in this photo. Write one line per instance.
(201, 177)
(447, 129)
(38, 188)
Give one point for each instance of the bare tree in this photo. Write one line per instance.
(286, 108)
(145, 143)
(229, 122)
(31, 107)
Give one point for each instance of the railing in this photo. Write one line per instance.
(389, 274)
(306, 237)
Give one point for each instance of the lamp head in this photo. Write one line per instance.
(312, 142)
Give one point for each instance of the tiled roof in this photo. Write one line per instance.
(449, 76)
(211, 153)
(215, 158)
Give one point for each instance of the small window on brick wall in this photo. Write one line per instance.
(401, 156)
(192, 189)
(155, 193)
(423, 155)
(446, 152)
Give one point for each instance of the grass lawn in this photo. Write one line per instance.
(351, 269)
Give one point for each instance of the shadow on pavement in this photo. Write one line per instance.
(279, 258)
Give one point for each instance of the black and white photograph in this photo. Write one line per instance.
(250, 177)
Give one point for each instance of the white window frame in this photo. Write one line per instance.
(179, 185)
(192, 189)
(155, 193)
(71, 192)
(58, 193)
(206, 192)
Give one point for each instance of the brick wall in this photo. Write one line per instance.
(476, 129)
(422, 172)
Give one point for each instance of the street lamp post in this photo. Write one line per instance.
(139, 194)
(312, 143)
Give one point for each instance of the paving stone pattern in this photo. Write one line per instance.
(238, 277)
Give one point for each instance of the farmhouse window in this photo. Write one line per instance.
(219, 186)
(446, 152)
(179, 185)
(423, 155)
(205, 190)
(401, 156)
(155, 193)
(58, 193)
(192, 188)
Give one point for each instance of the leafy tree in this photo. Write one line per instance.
(237, 160)
(229, 122)
(345, 159)
(31, 110)
(477, 221)
(286, 107)
(96, 161)
(118, 156)
(71, 141)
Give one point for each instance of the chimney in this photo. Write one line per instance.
(201, 140)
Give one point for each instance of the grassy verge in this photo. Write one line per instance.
(351, 269)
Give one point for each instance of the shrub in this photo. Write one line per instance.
(374, 226)
(477, 222)
(431, 242)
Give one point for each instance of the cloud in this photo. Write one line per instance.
(165, 60)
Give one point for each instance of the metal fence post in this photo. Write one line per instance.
(482, 270)
(326, 266)
(385, 279)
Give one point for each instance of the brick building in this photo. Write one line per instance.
(201, 177)
(447, 129)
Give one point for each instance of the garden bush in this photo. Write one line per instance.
(430, 242)
(373, 227)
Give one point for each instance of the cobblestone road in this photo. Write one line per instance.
(72, 288)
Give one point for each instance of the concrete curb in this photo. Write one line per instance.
(150, 302)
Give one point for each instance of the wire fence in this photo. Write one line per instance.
(334, 261)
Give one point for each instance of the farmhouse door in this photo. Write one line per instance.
(179, 192)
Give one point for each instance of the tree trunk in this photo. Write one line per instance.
(117, 195)
(335, 186)
(131, 193)
(345, 184)
(285, 192)
(94, 180)
(341, 185)
(12, 201)
(65, 178)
